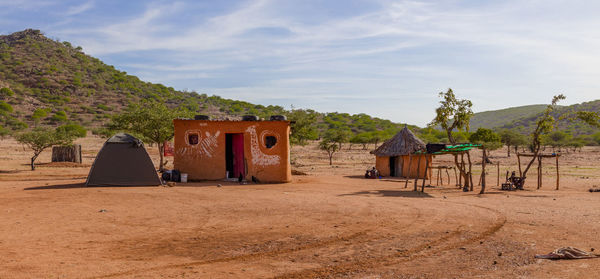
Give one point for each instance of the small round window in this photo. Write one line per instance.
(193, 139)
(270, 141)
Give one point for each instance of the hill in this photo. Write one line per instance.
(527, 124)
(49, 82)
(501, 117)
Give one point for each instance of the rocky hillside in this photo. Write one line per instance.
(48, 82)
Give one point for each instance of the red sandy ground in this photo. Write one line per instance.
(330, 223)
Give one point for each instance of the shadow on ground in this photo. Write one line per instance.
(59, 186)
(390, 193)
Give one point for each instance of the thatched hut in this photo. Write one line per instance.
(396, 156)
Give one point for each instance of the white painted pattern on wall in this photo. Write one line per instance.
(258, 157)
(207, 144)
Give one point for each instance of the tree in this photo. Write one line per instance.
(303, 126)
(41, 138)
(339, 135)
(544, 125)
(361, 138)
(489, 141)
(38, 115)
(452, 114)
(151, 120)
(330, 147)
(511, 138)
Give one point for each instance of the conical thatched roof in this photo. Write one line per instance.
(403, 143)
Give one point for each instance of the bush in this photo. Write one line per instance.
(6, 92)
(5, 108)
(59, 116)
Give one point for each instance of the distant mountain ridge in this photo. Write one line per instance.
(501, 117)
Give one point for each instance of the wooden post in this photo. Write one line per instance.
(425, 175)
(539, 172)
(557, 174)
(455, 177)
(483, 172)
(498, 168)
(408, 174)
(448, 174)
(519, 162)
(470, 177)
(418, 169)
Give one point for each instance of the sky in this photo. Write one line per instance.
(389, 59)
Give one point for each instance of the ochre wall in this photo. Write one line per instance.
(383, 166)
(206, 160)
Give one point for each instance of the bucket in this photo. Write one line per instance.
(184, 177)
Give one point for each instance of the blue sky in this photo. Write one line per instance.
(385, 58)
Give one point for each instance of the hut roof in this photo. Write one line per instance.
(403, 143)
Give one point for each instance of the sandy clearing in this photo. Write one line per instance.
(330, 223)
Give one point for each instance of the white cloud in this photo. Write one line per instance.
(74, 10)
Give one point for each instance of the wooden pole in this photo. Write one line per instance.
(418, 169)
(448, 174)
(470, 172)
(557, 174)
(483, 172)
(519, 162)
(408, 172)
(425, 175)
(455, 177)
(539, 172)
(498, 168)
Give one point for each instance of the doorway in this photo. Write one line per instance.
(234, 155)
(393, 166)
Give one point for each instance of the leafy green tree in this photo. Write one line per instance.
(41, 138)
(361, 138)
(38, 115)
(511, 138)
(452, 114)
(339, 136)
(330, 147)
(489, 141)
(152, 121)
(72, 131)
(544, 125)
(303, 126)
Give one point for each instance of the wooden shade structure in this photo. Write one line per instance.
(539, 157)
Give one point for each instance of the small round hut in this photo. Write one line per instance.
(396, 156)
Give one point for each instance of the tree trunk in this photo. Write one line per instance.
(508, 148)
(35, 155)
(162, 155)
(330, 158)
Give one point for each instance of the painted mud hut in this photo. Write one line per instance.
(396, 156)
(220, 149)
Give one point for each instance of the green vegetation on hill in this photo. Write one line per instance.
(47, 82)
(498, 118)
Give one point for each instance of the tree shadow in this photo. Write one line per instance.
(386, 178)
(390, 193)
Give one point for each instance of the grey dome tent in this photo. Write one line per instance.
(123, 161)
